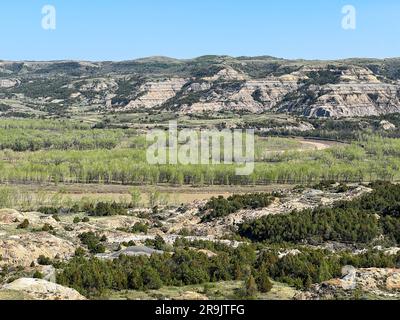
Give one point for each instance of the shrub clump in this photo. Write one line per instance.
(24, 224)
(93, 242)
(220, 207)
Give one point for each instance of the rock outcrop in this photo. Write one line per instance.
(374, 281)
(23, 249)
(9, 83)
(42, 290)
(9, 216)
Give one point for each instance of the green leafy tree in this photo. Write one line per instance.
(136, 197)
(159, 243)
(151, 279)
(251, 287)
(263, 281)
(154, 198)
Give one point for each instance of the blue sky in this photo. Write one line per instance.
(128, 29)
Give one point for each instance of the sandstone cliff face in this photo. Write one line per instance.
(352, 99)
(348, 88)
(154, 94)
(358, 92)
(346, 92)
(253, 96)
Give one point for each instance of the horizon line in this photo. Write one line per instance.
(199, 57)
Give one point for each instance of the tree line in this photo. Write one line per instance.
(254, 266)
(92, 276)
(129, 166)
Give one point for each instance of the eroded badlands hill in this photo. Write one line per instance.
(347, 88)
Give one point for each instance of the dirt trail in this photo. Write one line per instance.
(317, 144)
(305, 145)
